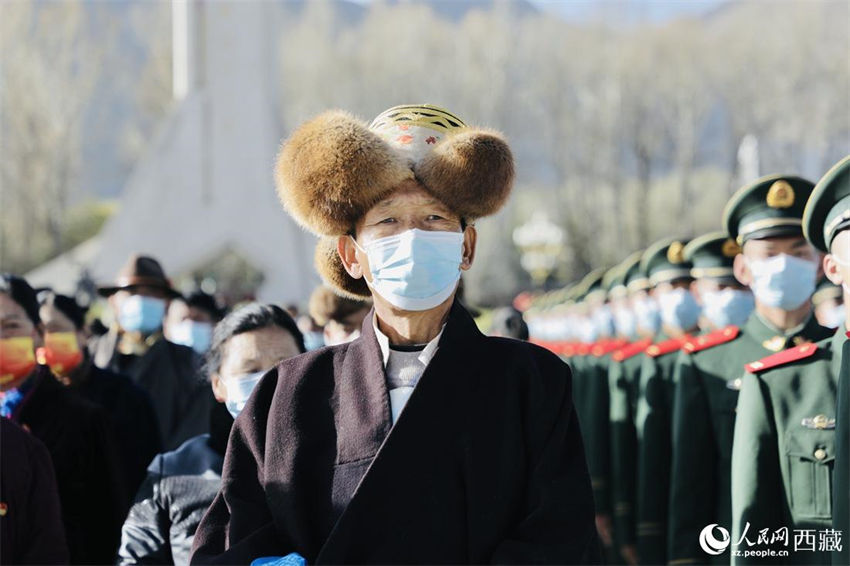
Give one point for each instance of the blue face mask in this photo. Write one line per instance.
(239, 390)
(783, 281)
(727, 307)
(647, 315)
(679, 309)
(417, 269)
(196, 335)
(313, 341)
(141, 314)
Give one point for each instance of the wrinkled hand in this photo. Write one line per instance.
(603, 527)
(629, 554)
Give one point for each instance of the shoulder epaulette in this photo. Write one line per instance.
(568, 349)
(603, 348)
(666, 347)
(712, 339)
(781, 358)
(631, 350)
(584, 348)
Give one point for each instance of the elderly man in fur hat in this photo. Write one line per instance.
(422, 441)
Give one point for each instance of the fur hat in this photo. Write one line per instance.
(334, 168)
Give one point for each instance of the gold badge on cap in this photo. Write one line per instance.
(730, 248)
(675, 253)
(780, 195)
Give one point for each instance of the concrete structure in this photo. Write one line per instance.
(205, 187)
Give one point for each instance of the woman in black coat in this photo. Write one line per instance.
(129, 407)
(31, 529)
(74, 430)
(182, 483)
(422, 441)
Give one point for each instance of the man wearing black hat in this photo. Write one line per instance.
(135, 346)
(781, 268)
(785, 441)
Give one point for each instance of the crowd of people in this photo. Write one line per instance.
(684, 406)
(706, 377)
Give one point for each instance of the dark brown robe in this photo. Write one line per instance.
(485, 463)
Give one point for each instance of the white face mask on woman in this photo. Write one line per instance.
(783, 281)
(239, 389)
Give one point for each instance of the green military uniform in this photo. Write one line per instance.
(711, 257)
(623, 386)
(841, 480)
(784, 448)
(828, 213)
(708, 377)
(594, 427)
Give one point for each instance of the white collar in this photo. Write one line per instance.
(425, 355)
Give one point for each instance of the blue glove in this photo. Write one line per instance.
(291, 559)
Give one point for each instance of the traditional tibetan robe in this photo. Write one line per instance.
(484, 464)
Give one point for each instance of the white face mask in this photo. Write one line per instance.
(783, 281)
(239, 389)
(417, 269)
(648, 315)
(679, 309)
(727, 307)
(196, 335)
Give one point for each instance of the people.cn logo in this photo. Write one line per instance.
(712, 545)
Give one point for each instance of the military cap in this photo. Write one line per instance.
(768, 207)
(613, 282)
(590, 286)
(828, 209)
(633, 278)
(665, 261)
(825, 291)
(712, 255)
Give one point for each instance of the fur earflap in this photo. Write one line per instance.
(471, 171)
(333, 273)
(332, 170)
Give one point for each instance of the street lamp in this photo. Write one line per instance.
(540, 242)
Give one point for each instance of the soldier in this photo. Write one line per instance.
(841, 504)
(669, 277)
(723, 299)
(781, 268)
(784, 445)
(597, 342)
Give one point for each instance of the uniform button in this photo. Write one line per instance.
(820, 454)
